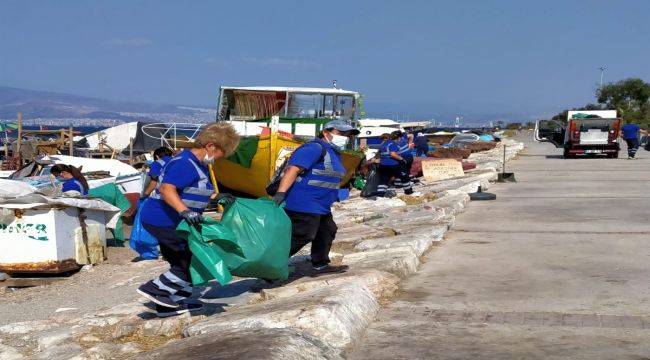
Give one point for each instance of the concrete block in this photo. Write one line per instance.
(381, 284)
(247, 343)
(401, 261)
(337, 315)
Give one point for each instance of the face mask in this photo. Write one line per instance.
(208, 159)
(60, 179)
(339, 141)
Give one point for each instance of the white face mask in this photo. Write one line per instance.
(208, 159)
(339, 141)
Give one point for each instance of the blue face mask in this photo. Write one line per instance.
(60, 179)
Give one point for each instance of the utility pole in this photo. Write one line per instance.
(602, 71)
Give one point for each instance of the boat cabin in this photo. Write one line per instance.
(302, 111)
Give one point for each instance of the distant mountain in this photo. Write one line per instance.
(45, 104)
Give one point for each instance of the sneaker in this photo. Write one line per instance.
(328, 269)
(157, 299)
(165, 311)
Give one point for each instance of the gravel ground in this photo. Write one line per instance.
(106, 284)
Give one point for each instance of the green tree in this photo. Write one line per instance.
(630, 97)
(563, 115)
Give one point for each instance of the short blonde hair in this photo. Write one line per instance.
(221, 134)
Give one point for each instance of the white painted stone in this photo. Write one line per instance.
(54, 337)
(249, 343)
(401, 261)
(382, 284)
(26, 327)
(336, 315)
(419, 241)
(9, 353)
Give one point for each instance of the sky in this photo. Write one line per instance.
(485, 60)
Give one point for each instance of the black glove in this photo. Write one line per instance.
(278, 198)
(192, 217)
(225, 199)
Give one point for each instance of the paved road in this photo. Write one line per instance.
(556, 268)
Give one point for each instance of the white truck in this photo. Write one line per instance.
(586, 132)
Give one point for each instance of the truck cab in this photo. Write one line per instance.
(585, 133)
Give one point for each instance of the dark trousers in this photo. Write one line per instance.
(632, 146)
(319, 230)
(175, 283)
(422, 151)
(386, 172)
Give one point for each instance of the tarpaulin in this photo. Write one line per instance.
(245, 151)
(112, 195)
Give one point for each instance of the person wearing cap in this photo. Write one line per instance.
(309, 187)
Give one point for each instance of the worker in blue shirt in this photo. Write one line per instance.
(183, 193)
(630, 133)
(71, 178)
(309, 187)
(404, 146)
(391, 164)
(161, 156)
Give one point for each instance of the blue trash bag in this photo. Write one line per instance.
(141, 241)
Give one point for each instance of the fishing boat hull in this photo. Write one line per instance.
(253, 180)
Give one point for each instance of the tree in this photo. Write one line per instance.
(629, 97)
(514, 126)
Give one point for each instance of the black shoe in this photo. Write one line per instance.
(408, 191)
(165, 311)
(328, 269)
(157, 299)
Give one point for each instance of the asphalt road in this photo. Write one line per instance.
(556, 268)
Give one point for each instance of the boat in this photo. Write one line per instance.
(98, 172)
(371, 130)
(274, 121)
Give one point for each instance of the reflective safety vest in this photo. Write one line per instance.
(403, 145)
(386, 148)
(71, 184)
(196, 197)
(323, 174)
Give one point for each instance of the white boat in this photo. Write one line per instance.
(371, 130)
(128, 179)
(117, 137)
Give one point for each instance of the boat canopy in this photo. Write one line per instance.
(379, 122)
(262, 102)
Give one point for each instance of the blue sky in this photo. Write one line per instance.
(484, 59)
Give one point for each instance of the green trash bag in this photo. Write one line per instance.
(359, 183)
(210, 247)
(263, 232)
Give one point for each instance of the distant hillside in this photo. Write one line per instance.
(45, 104)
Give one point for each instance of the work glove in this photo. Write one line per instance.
(225, 199)
(278, 198)
(192, 217)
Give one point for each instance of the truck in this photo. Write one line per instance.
(586, 132)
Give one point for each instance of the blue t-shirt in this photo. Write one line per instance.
(630, 131)
(305, 198)
(386, 148)
(74, 185)
(404, 149)
(180, 173)
(156, 166)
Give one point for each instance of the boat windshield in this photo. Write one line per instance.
(320, 106)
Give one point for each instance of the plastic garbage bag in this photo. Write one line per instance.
(263, 232)
(210, 245)
(372, 182)
(145, 244)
